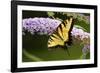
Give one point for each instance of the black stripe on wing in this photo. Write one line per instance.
(64, 23)
(69, 41)
(57, 33)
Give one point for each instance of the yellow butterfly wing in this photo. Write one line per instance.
(66, 29)
(54, 41)
(61, 35)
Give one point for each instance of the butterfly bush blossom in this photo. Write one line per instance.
(40, 25)
(82, 36)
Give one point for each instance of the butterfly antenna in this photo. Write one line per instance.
(67, 51)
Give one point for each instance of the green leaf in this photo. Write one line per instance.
(32, 57)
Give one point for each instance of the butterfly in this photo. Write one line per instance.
(61, 37)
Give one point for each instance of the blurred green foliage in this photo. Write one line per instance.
(81, 19)
(37, 46)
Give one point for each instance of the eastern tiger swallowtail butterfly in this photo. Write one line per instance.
(61, 37)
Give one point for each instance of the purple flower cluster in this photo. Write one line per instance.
(40, 25)
(86, 48)
(79, 33)
(82, 36)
